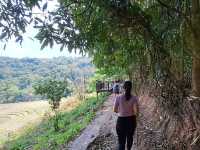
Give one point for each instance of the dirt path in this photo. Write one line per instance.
(101, 134)
(104, 118)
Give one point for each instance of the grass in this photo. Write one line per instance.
(16, 118)
(70, 124)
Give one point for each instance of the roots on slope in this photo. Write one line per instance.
(169, 110)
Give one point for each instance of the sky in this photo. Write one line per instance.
(31, 47)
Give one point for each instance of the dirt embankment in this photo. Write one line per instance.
(173, 132)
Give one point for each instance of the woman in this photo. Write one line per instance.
(126, 105)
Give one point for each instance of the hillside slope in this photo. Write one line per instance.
(17, 76)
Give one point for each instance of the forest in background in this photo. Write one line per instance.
(18, 76)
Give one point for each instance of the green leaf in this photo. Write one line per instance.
(3, 35)
(44, 6)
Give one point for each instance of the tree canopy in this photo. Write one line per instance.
(54, 90)
(117, 33)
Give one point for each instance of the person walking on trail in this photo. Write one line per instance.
(116, 88)
(126, 105)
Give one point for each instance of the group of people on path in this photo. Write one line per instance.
(127, 107)
(117, 87)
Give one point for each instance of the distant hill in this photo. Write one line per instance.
(17, 76)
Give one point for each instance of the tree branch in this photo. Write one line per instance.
(175, 10)
(195, 6)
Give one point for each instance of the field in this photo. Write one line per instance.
(69, 123)
(16, 117)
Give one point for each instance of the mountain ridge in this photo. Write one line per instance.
(18, 75)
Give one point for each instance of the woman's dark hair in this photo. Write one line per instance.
(127, 88)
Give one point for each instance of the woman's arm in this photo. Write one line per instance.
(116, 105)
(115, 109)
(136, 107)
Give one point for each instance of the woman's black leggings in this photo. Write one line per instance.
(125, 130)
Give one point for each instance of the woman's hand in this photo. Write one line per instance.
(115, 109)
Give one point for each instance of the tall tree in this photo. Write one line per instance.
(102, 26)
(193, 41)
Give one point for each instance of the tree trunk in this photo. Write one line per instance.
(196, 76)
(193, 39)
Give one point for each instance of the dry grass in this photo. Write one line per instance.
(16, 117)
(69, 104)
